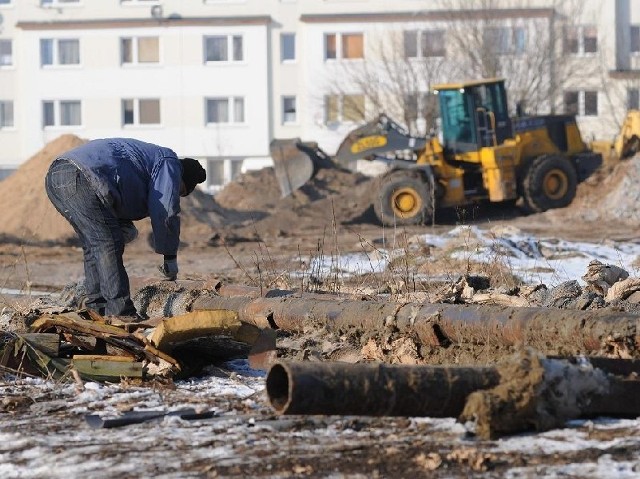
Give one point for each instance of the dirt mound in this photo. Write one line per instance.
(611, 194)
(333, 194)
(28, 215)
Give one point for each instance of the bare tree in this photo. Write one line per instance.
(390, 81)
(533, 48)
(545, 51)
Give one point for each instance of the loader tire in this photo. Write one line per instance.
(403, 199)
(550, 182)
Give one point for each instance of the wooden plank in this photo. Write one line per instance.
(105, 368)
(48, 343)
(103, 357)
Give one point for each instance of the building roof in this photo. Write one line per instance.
(429, 15)
(144, 22)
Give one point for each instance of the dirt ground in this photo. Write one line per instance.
(249, 235)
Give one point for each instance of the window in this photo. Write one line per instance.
(139, 50)
(633, 99)
(288, 46)
(583, 103)
(425, 43)
(289, 109)
(504, 41)
(59, 52)
(5, 2)
(223, 48)
(141, 111)
(56, 3)
(61, 113)
(6, 53)
(590, 103)
(634, 47)
(215, 172)
(222, 170)
(347, 45)
(6, 114)
(421, 106)
(225, 110)
(347, 108)
(580, 40)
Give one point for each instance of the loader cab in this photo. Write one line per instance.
(473, 115)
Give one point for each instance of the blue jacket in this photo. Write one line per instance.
(137, 179)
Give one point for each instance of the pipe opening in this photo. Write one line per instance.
(278, 387)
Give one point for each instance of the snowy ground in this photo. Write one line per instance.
(534, 260)
(43, 433)
(45, 436)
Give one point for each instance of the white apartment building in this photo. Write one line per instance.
(217, 80)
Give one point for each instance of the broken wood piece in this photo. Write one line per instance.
(48, 343)
(76, 325)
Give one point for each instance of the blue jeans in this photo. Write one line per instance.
(100, 231)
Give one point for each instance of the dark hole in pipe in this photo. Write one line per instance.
(271, 321)
(278, 387)
(442, 338)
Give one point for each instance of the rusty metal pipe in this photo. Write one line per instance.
(374, 389)
(439, 324)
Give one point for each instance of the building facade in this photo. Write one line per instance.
(217, 80)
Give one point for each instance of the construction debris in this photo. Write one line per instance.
(374, 389)
(102, 349)
(528, 392)
(136, 417)
(442, 325)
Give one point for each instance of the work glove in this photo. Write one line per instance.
(169, 268)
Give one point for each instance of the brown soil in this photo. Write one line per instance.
(31, 216)
(260, 240)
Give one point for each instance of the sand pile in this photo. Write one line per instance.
(612, 194)
(29, 217)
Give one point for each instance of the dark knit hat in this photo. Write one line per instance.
(192, 173)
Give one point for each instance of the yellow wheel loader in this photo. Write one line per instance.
(481, 154)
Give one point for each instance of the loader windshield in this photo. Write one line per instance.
(474, 116)
(458, 131)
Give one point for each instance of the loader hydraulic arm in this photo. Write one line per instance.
(378, 137)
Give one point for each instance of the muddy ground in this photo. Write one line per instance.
(249, 235)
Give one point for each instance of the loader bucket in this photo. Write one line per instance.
(293, 167)
(296, 162)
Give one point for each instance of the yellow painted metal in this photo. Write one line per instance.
(465, 84)
(555, 184)
(630, 129)
(368, 142)
(448, 176)
(406, 202)
(499, 171)
(106, 368)
(197, 324)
